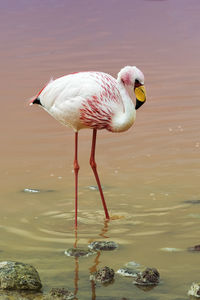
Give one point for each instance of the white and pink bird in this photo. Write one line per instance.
(93, 100)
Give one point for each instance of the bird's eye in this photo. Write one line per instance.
(137, 83)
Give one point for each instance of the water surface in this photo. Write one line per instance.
(149, 173)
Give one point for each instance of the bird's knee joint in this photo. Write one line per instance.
(76, 167)
(93, 164)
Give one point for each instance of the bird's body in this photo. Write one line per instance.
(93, 100)
(89, 100)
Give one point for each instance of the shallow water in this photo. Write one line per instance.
(148, 173)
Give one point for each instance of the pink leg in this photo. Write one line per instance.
(76, 169)
(94, 168)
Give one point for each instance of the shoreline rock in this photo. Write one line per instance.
(19, 276)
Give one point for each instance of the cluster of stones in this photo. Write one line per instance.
(147, 277)
(17, 276)
(103, 275)
(92, 249)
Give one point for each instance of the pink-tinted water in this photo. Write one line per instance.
(150, 173)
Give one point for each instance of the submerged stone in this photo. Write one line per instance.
(146, 288)
(19, 276)
(194, 248)
(103, 275)
(150, 276)
(170, 249)
(192, 201)
(103, 245)
(77, 252)
(59, 294)
(27, 190)
(93, 187)
(131, 269)
(127, 272)
(194, 290)
(133, 265)
(20, 295)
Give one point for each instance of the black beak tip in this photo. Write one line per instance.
(138, 104)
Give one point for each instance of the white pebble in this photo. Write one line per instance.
(31, 191)
(167, 249)
(194, 290)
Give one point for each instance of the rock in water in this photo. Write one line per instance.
(150, 276)
(31, 191)
(126, 272)
(170, 249)
(103, 245)
(131, 269)
(59, 294)
(19, 276)
(194, 290)
(194, 248)
(77, 252)
(20, 295)
(103, 275)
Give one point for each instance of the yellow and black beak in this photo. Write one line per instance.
(140, 94)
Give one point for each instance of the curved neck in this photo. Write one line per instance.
(123, 120)
(127, 101)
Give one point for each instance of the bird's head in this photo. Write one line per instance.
(132, 76)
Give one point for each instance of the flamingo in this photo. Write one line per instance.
(93, 100)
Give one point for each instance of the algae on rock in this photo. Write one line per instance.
(19, 276)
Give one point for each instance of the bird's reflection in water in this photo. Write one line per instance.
(104, 230)
(76, 278)
(93, 268)
(146, 288)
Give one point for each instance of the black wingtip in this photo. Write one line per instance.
(36, 101)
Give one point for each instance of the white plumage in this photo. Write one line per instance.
(66, 97)
(93, 100)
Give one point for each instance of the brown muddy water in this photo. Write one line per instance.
(150, 174)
